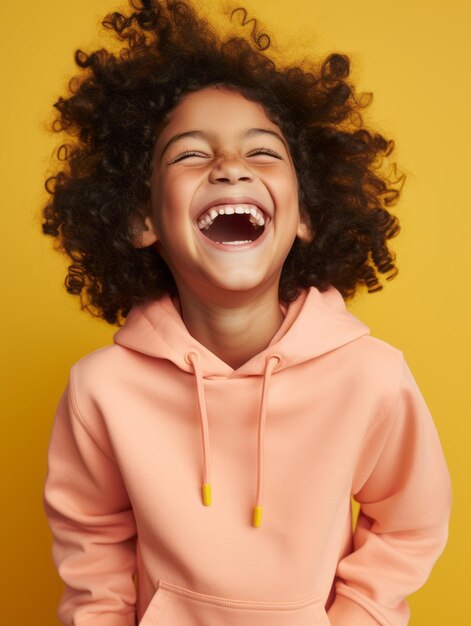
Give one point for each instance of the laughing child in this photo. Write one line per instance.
(220, 209)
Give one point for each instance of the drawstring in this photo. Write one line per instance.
(270, 364)
(206, 487)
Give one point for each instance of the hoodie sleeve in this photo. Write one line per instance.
(404, 489)
(92, 523)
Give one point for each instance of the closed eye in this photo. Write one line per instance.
(186, 154)
(268, 151)
(259, 151)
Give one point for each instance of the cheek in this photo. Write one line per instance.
(286, 190)
(178, 191)
(166, 198)
(172, 199)
(283, 181)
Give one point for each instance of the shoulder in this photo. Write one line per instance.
(374, 367)
(95, 361)
(376, 354)
(380, 348)
(98, 368)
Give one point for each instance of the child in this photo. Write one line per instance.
(201, 468)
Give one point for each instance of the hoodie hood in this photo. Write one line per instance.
(314, 324)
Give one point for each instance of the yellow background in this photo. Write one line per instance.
(414, 57)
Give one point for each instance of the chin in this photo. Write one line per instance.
(247, 285)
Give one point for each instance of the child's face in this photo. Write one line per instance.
(210, 153)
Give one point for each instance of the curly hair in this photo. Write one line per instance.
(112, 114)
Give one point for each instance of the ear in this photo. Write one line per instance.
(142, 228)
(303, 231)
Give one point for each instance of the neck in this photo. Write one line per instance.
(234, 329)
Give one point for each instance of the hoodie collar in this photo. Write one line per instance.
(314, 324)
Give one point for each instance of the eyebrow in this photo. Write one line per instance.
(201, 134)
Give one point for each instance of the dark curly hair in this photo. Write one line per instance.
(115, 107)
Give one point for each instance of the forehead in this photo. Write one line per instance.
(216, 108)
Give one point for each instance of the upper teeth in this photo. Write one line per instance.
(208, 217)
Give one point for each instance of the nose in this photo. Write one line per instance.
(230, 170)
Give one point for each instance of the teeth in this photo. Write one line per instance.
(255, 215)
(235, 243)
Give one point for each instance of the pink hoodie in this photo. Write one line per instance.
(323, 413)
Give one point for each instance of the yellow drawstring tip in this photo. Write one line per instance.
(206, 495)
(257, 516)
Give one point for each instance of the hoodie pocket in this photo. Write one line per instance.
(177, 606)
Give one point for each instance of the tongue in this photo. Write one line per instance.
(235, 227)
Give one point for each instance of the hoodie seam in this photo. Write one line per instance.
(88, 621)
(384, 413)
(88, 356)
(141, 313)
(383, 343)
(389, 404)
(81, 419)
(161, 337)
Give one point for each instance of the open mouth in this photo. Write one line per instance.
(233, 224)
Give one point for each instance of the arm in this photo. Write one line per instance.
(403, 486)
(92, 524)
